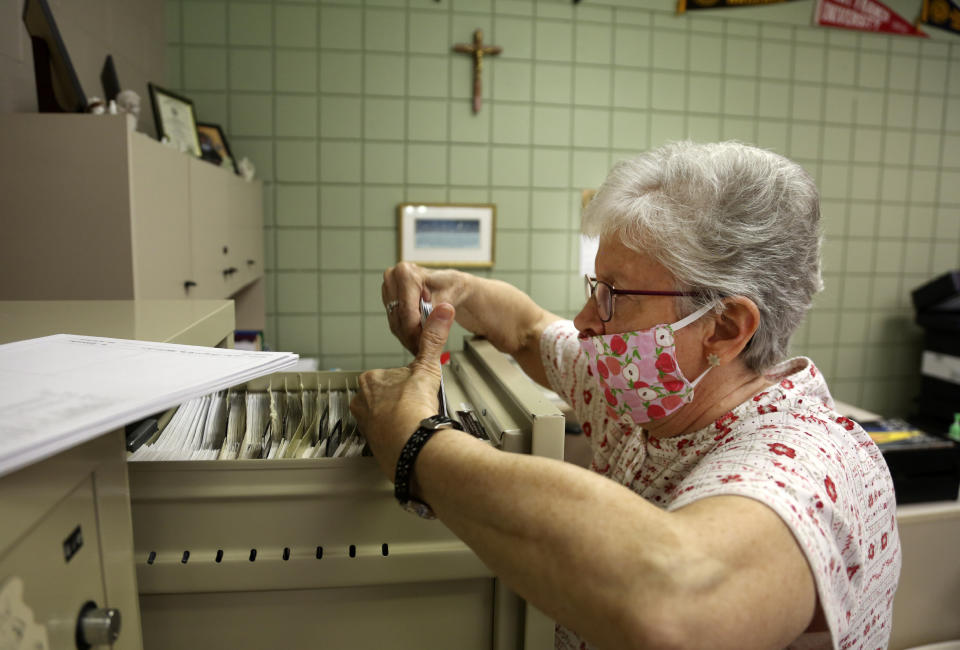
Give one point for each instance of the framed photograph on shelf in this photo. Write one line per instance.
(446, 234)
(214, 147)
(58, 88)
(175, 119)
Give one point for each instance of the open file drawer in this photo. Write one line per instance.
(316, 552)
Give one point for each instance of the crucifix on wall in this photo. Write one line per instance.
(478, 50)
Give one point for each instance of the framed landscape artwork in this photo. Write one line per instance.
(446, 234)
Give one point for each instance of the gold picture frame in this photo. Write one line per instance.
(447, 234)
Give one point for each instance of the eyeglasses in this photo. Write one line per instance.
(604, 294)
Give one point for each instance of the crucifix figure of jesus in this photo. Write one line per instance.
(477, 49)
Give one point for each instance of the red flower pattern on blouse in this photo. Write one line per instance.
(726, 419)
(831, 489)
(846, 422)
(782, 450)
(587, 397)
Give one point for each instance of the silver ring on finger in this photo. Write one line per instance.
(393, 304)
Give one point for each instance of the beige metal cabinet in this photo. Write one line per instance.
(95, 210)
(66, 534)
(926, 602)
(67, 538)
(306, 553)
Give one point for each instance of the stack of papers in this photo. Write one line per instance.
(59, 391)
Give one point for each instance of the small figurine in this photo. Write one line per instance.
(246, 168)
(129, 102)
(96, 106)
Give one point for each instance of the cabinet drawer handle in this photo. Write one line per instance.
(251, 262)
(188, 284)
(230, 271)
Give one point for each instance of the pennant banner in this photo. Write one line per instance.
(944, 14)
(683, 5)
(865, 16)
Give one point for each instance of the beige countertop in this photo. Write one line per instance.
(187, 322)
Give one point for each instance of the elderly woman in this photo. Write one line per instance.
(729, 505)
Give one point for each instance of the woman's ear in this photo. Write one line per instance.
(733, 328)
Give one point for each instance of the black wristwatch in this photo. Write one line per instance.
(408, 456)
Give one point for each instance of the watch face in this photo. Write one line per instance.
(419, 508)
(436, 422)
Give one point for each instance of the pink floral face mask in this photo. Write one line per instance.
(638, 370)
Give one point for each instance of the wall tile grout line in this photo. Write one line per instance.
(888, 204)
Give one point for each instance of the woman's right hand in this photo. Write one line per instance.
(403, 287)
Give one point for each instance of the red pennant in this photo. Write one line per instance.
(863, 15)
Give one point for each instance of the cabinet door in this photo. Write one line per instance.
(160, 220)
(57, 562)
(209, 210)
(246, 230)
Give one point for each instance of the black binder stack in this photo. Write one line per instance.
(937, 306)
(924, 463)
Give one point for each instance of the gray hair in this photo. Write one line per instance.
(726, 219)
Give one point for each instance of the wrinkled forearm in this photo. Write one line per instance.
(580, 547)
(505, 316)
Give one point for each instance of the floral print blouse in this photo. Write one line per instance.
(785, 447)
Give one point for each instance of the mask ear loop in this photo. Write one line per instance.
(696, 381)
(683, 322)
(686, 321)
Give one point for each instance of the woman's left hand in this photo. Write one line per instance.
(391, 403)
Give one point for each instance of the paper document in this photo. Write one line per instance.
(59, 391)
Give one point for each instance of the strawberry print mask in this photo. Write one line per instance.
(638, 370)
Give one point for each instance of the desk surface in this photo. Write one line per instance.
(187, 322)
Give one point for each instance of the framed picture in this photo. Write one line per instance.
(446, 234)
(175, 119)
(58, 88)
(214, 147)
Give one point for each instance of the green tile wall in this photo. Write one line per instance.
(350, 107)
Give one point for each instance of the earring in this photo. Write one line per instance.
(713, 360)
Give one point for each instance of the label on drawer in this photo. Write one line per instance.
(18, 630)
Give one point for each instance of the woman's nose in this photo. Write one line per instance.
(588, 320)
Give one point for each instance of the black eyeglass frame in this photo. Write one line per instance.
(590, 285)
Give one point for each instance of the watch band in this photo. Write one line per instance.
(408, 456)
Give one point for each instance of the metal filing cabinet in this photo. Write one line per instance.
(66, 545)
(303, 553)
(66, 536)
